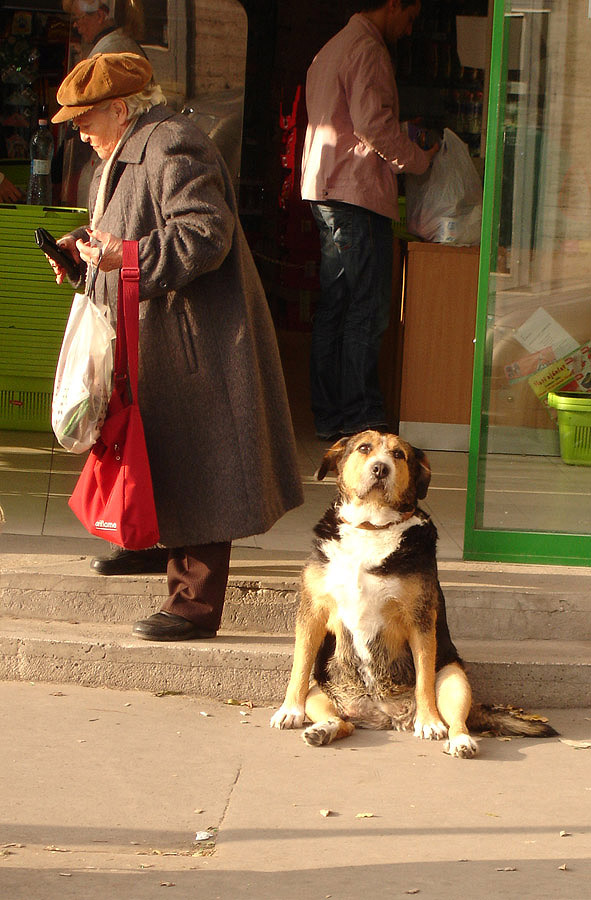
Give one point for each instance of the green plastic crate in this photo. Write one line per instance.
(574, 425)
(33, 314)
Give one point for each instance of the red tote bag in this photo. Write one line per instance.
(113, 497)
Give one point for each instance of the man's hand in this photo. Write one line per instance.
(9, 193)
(432, 152)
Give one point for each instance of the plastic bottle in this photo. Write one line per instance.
(41, 147)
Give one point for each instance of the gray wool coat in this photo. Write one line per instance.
(211, 388)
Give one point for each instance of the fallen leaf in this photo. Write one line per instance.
(65, 874)
(168, 694)
(167, 884)
(565, 834)
(232, 702)
(198, 811)
(365, 815)
(57, 849)
(57, 694)
(578, 745)
(507, 869)
(325, 812)
(563, 867)
(206, 714)
(504, 739)
(413, 891)
(494, 815)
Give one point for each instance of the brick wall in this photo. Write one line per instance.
(220, 45)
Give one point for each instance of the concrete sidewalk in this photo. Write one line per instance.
(103, 794)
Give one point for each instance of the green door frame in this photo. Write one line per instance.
(482, 543)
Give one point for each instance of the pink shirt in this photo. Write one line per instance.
(354, 144)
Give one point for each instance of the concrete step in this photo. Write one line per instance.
(255, 667)
(484, 601)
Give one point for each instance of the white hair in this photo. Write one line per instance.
(138, 104)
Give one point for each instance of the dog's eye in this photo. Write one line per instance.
(398, 454)
(364, 448)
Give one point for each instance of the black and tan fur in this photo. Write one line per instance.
(371, 626)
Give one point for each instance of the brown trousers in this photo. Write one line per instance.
(197, 578)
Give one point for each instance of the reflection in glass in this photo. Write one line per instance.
(539, 305)
(197, 51)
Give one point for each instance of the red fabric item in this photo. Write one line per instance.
(113, 497)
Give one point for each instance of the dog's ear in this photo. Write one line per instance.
(423, 473)
(331, 458)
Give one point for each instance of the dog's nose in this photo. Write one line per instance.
(380, 470)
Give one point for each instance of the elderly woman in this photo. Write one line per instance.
(211, 389)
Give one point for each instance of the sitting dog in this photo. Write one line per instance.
(371, 624)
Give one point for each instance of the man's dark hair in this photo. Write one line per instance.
(370, 5)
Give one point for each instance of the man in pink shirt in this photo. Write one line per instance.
(353, 151)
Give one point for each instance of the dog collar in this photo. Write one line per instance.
(369, 526)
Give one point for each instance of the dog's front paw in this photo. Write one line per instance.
(288, 717)
(320, 733)
(462, 746)
(432, 730)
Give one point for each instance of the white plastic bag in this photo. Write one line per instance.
(84, 376)
(445, 204)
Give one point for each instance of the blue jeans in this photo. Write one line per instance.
(350, 318)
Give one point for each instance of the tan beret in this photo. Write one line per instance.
(105, 76)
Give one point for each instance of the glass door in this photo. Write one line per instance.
(529, 492)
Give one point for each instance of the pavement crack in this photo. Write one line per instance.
(232, 789)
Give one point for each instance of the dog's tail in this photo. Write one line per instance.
(506, 720)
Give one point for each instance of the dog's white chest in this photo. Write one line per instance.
(359, 594)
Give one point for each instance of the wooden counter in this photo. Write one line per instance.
(439, 316)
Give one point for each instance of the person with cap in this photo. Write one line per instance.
(100, 32)
(211, 390)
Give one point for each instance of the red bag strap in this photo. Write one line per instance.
(128, 332)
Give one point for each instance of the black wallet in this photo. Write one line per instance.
(47, 243)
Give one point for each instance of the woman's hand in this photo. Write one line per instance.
(69, 245)
(106, 251)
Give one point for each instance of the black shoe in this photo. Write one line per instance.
(165, 626)
(131, 562)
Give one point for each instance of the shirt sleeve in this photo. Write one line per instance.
(373, 106)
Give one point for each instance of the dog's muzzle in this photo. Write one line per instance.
(376, 476)
(380, 471)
